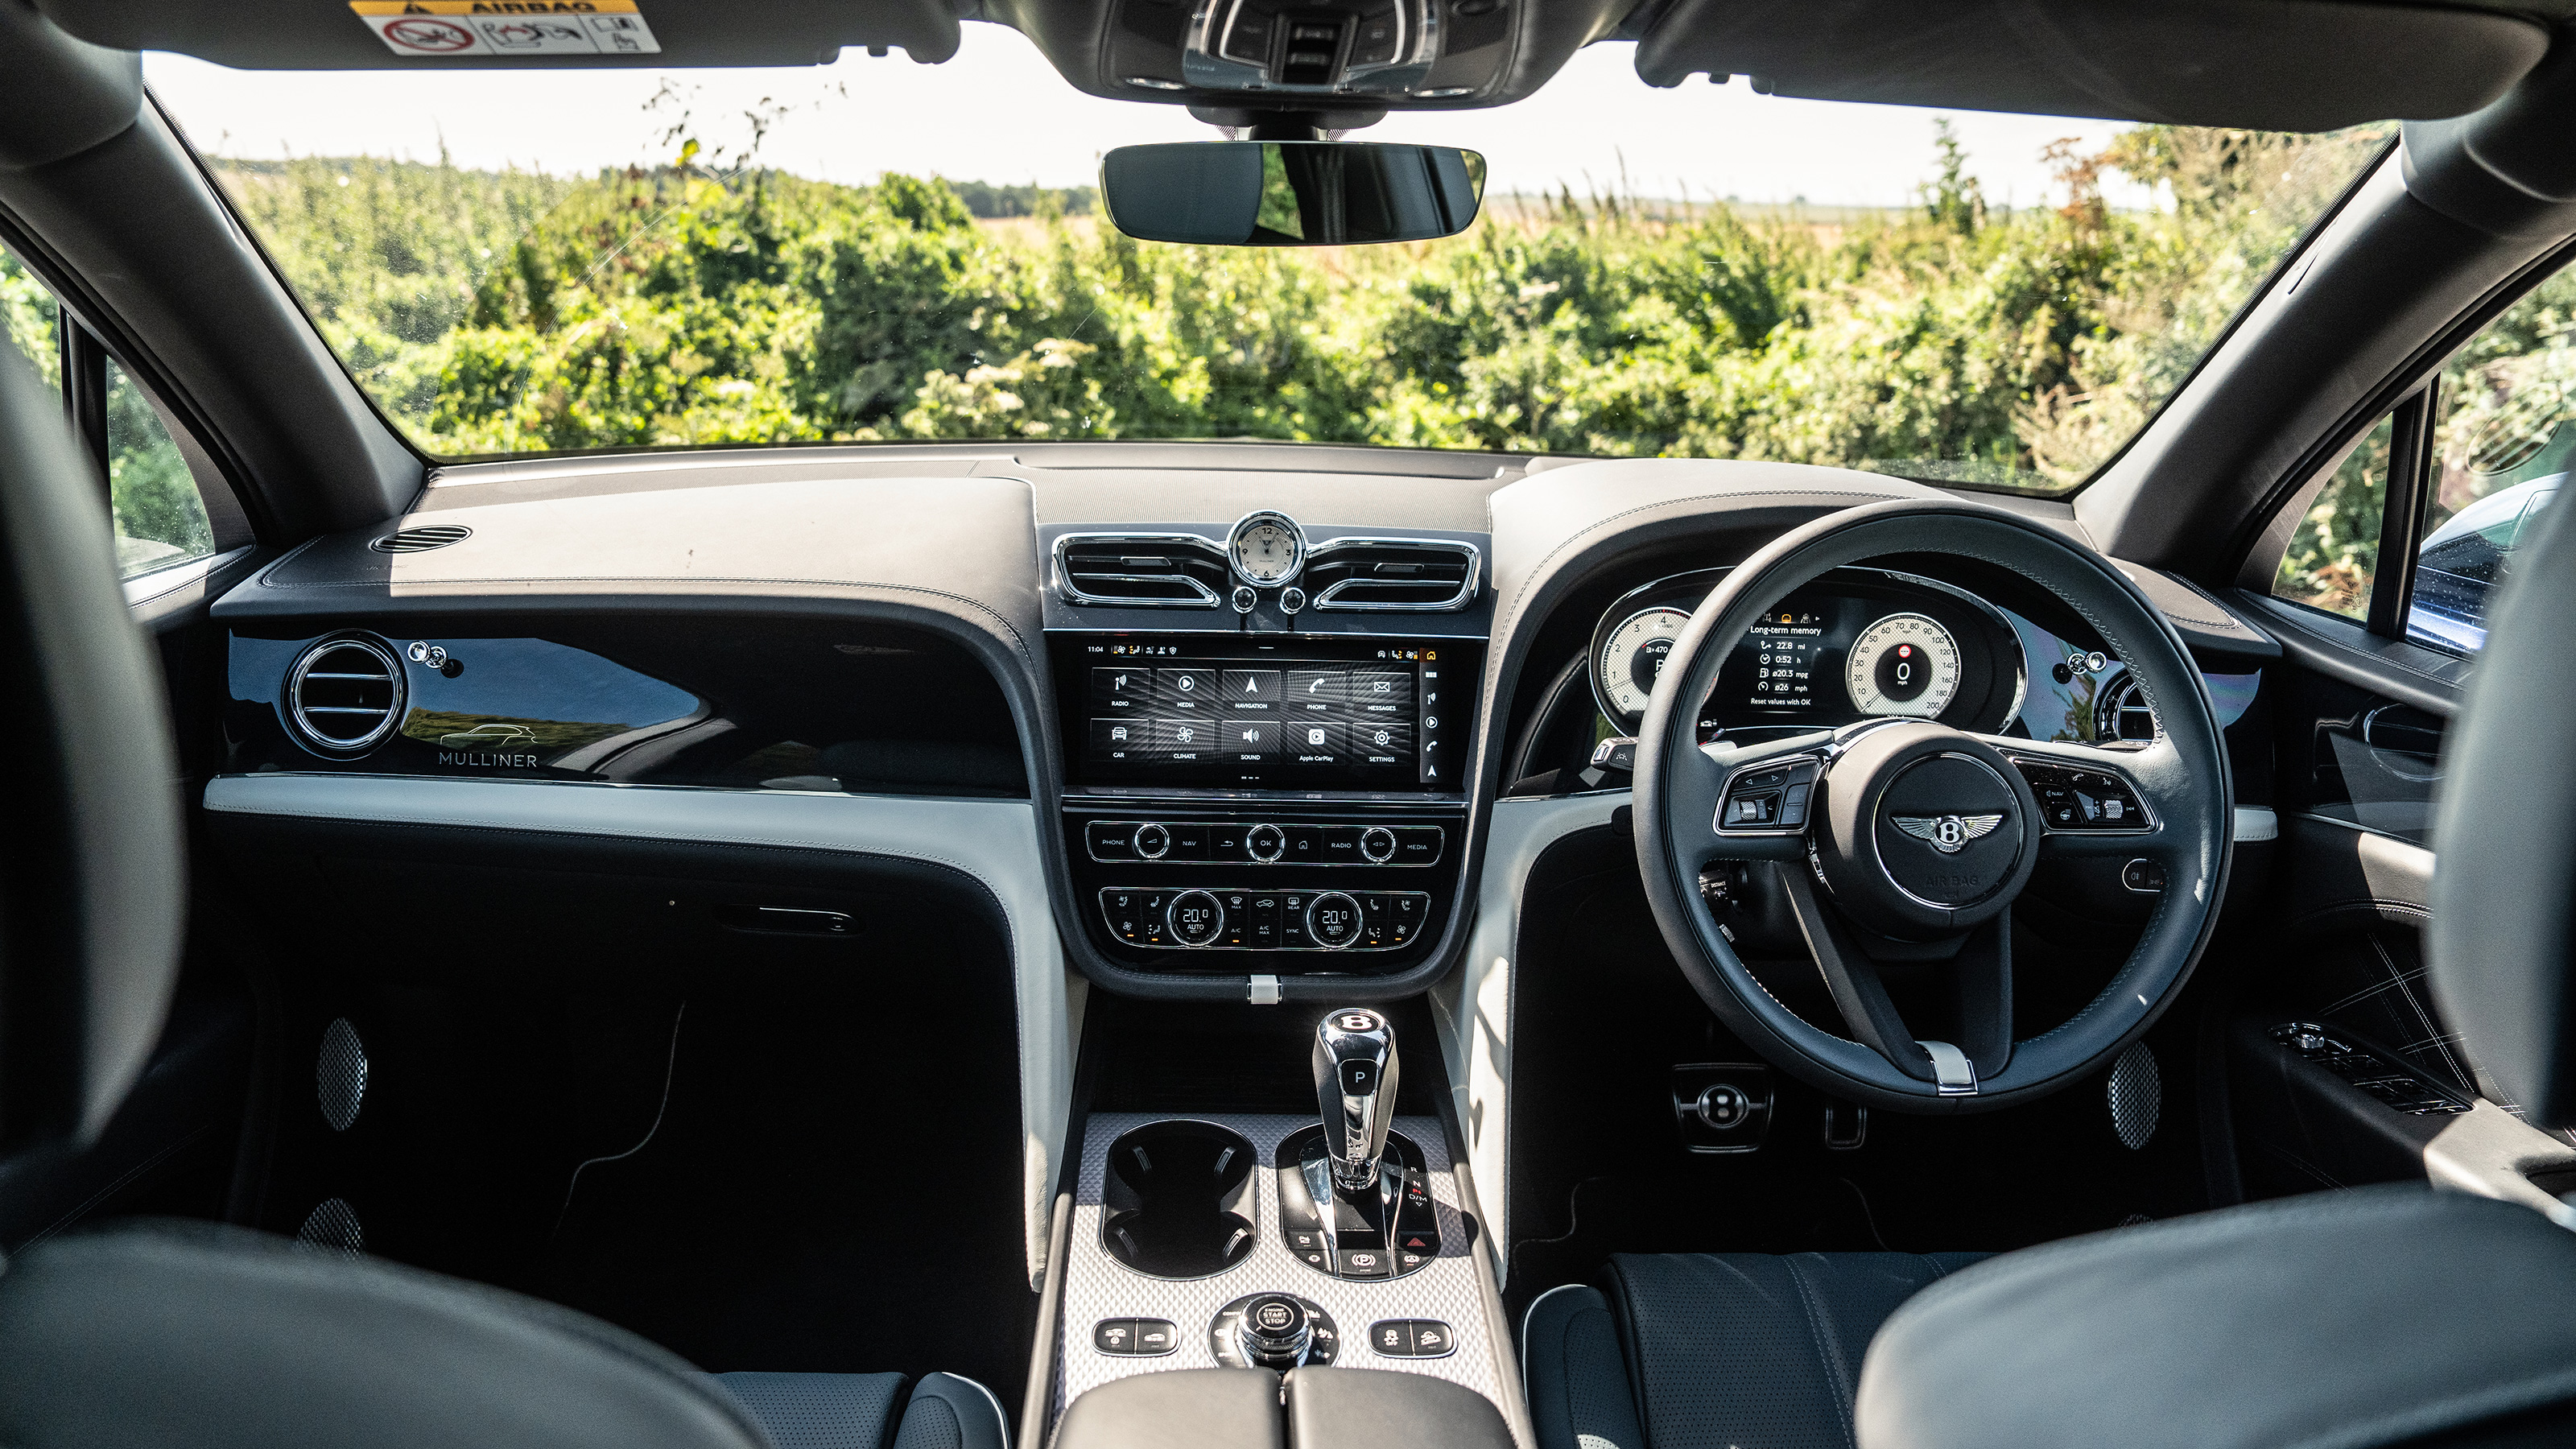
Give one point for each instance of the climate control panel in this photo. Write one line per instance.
(1194, 918)
(1266, 886)
(1263, 842)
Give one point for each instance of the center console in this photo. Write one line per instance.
(1265, 804)
(1210, 1257)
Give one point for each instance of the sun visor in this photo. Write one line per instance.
(429, 34)
(2275, 65)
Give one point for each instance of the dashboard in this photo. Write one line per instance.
(1253, 707)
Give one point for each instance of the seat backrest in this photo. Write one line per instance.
(164, 1335)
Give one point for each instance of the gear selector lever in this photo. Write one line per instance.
(1355, 1081)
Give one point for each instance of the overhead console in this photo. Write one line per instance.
(1338, 56)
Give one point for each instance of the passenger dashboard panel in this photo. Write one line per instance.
(778, 704)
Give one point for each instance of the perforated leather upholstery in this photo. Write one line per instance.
(1719, 1350)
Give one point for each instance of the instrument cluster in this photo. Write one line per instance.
(1856, 644)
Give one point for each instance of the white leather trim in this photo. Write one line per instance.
(995, 841)
(1472, 1007)
(2256, 822)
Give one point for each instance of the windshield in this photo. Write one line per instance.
(530, 261)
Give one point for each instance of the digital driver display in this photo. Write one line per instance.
(1780, 654)
(1299, 715)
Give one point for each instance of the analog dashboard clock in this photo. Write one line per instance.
(1266, 549)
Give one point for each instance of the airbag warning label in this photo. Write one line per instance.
(437, 28)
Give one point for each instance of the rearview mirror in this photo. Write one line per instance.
(1291, 193)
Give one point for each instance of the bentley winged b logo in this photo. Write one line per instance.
(1948, 834)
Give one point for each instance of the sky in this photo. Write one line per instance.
(998, 112)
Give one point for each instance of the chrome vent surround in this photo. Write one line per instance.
(421, 540)
(1394, 575)
(345, 694)
(1140, 570)
(2123, 716)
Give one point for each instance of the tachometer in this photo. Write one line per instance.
(1631, 657)
(1905, 664)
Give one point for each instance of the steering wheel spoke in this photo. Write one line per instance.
(2095, 802)
(1852, 977)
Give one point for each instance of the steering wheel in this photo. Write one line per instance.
(1903, 840)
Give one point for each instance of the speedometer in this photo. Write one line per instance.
(1632, 656)
(1905, 664)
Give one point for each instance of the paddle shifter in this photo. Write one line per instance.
(1355, 1078)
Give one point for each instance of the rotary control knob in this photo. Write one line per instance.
(1378, 844)
(1274, 1331)
(1195, 919)
(1265, 843)
(1333, 920)
(1152, 841)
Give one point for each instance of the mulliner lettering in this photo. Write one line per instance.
(514, 762)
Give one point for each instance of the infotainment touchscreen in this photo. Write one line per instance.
(1286, 714)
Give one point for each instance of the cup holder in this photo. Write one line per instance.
(1179, 1200)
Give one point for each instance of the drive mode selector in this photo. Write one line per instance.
(1333, 920)
(1273, 1331)
(1378, 844)
(1196, 919)
(1265, 843)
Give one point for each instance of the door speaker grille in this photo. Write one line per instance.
(2137, 1096)
(333, 1227)
(340, 1075)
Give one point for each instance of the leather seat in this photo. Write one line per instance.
(871, 1411)
(1715, 1349)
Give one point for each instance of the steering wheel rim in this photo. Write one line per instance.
(2182, 779)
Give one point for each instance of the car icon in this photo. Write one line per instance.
(488, 737)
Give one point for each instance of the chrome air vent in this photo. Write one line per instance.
(421, 540)
(345, 694)
(2123, 716)
(1140, 570)
(1419, 575)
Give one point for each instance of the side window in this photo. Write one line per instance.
(152, 491)
(2504, 437)
(160, 516)
(2333, 555)
(33, 321)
